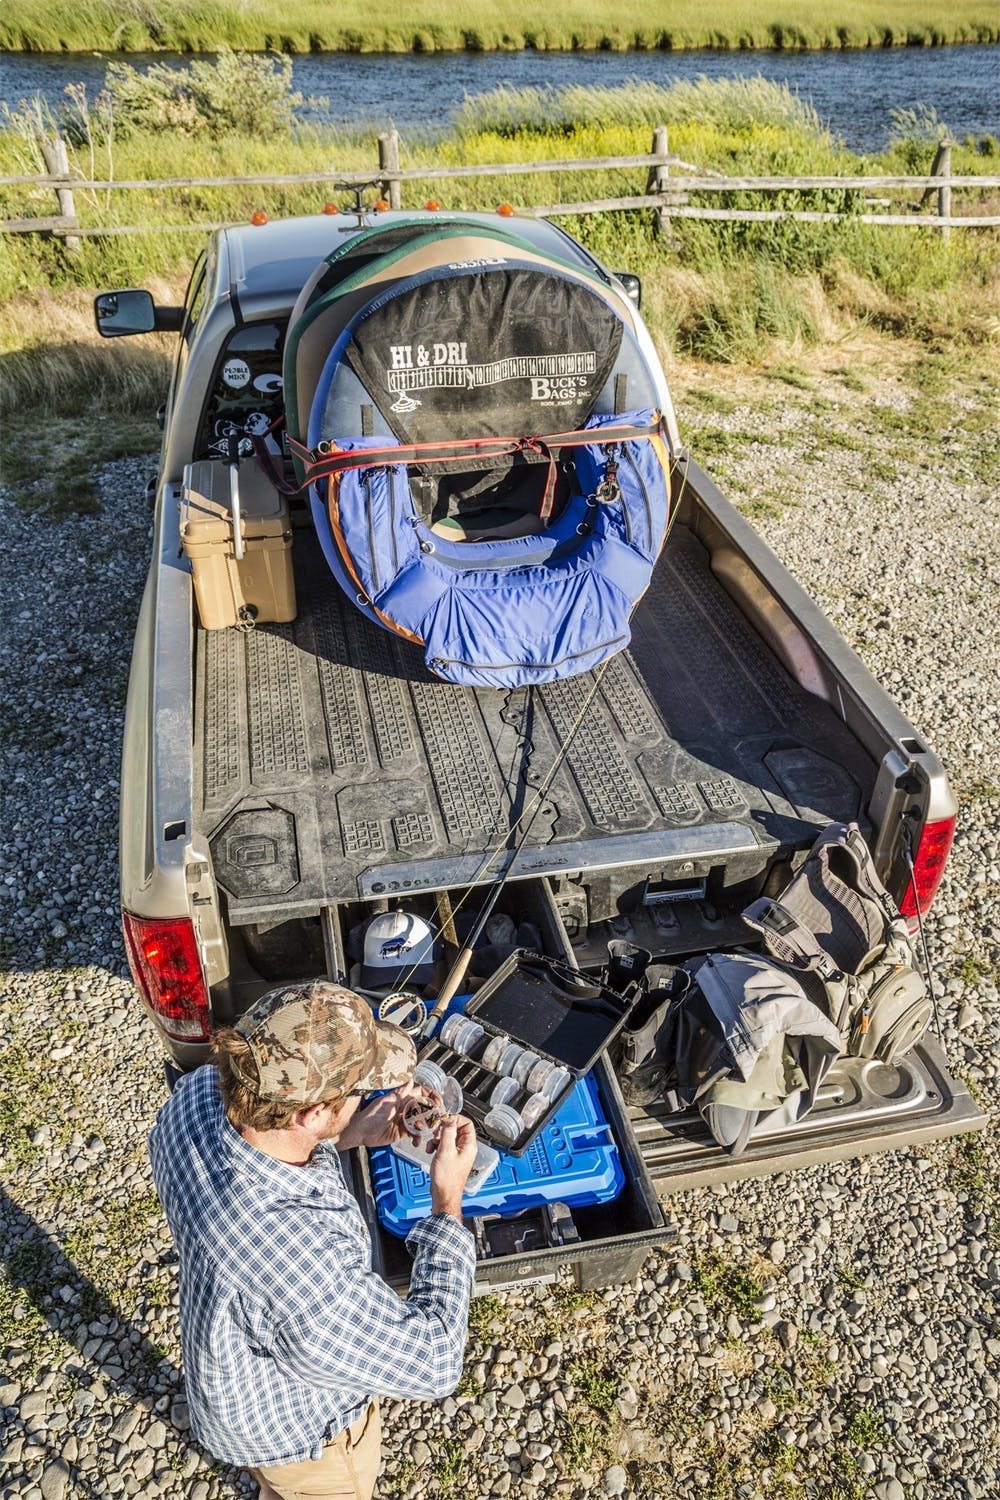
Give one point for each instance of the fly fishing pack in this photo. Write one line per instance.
(747, 1036)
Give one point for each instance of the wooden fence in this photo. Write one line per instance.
(669, 183)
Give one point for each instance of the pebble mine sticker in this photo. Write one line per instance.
(236, 374)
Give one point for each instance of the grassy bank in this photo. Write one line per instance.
(447, 26)
(743, 294)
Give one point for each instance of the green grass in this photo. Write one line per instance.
(973, 970)
(451, 1474)
(759, 294)
(54, 472)
(791, 375)
(597, 1383)
(711, 401)
(723, 1284)
(444, 25)
(483, 1313)
(708, 443)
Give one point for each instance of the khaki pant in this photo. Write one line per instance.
(347, 1471)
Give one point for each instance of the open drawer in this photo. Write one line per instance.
(598, 1244)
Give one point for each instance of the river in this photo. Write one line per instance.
(854, 92)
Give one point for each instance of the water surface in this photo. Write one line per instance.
(853, 92)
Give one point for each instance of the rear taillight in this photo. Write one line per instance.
(163, 957)
(928, 867)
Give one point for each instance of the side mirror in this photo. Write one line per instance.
(120, 313)
(631, 286)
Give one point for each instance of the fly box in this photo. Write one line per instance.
(235, 530)
(523, 1043)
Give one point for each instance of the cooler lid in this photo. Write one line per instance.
(205, 513)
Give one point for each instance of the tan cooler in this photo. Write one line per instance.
(233, 589)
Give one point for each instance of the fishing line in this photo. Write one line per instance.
(529, 812)
(491, 856)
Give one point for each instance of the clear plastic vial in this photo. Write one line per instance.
(460, 1034)
(504, 1091)
(524, 1065)
(536, 1107)
(504, 1123)
(432, 1076)
(555, 1083)
(450, 1029)
(508, 1062)
(495, 1049)
(539, 1075)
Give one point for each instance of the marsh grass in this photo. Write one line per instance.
(445, 25)
(70, 402)
(739, 294)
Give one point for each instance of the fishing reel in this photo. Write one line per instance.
(408, 1012)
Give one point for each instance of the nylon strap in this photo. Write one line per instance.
(323, 461)
(788, 939)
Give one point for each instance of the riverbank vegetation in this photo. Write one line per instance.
(448, 26)
(764, 295)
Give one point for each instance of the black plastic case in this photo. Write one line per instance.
(543, 1004)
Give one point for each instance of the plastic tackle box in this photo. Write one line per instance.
(573, 1160)
(547, 1011)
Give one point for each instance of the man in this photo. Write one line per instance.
(288, 1336)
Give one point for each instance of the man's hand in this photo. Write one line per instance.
(382, 1122)
(451, 1165)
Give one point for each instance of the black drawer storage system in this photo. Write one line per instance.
(873, 1107)
(601, 1245)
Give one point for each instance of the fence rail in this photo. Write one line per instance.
(664, 194)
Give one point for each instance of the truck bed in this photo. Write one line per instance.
(331, 766)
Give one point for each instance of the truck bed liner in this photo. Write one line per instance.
(329, 764)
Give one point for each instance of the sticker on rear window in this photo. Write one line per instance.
(236, 374)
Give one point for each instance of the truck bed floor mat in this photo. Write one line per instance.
(329, 765)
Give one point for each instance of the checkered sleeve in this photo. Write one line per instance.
(360, 1334)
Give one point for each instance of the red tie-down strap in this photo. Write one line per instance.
(326, 459)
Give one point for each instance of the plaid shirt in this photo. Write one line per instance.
(287, 1332)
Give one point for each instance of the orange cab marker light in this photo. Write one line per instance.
(258, 217)
(380, 205)
(432, 204)
(331, 208)
(505, 210)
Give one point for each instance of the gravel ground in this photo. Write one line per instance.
(832, 1333)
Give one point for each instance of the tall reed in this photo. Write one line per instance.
(450, 25)
(720, 291)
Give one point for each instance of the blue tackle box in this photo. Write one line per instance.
(573, 1160)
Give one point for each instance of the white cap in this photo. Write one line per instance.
(399, 949)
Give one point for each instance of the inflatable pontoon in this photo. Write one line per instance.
(480, 424)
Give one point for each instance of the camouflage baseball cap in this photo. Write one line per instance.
(312, 1041)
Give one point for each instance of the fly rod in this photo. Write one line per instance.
(459, 968)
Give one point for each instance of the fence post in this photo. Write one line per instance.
(388, 160)
(942, 169)
(659, 177)
(57, 165)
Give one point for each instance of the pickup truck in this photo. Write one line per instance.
(282, 782)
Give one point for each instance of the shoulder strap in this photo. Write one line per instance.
(790, 941)
(835, 913)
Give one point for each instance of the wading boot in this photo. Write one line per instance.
(646, 1063)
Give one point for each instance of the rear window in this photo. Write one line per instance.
(245, 398)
